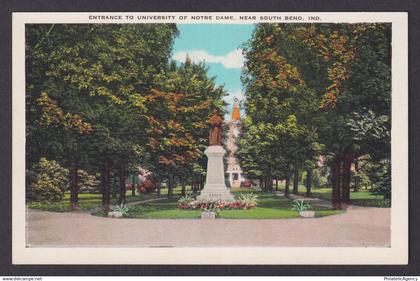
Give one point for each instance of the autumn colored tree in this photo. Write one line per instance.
(277, 96)
(179, 127)
(358, 69)
(327, 76)
(98, 75)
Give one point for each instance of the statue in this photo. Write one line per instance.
(215, 188)
(216, 128)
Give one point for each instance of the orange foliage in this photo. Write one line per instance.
(171, 137)
(336, 47)
(285, 76)
(52, 114)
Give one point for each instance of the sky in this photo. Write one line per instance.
(218, 45)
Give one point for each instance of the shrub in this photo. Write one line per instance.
(359, 180)
(148, 185)
(87, 183)
(300, 206)
(316, 179)
(382, 176)
(124, 210)
(247, 183)
(130, 186)
(184, 201)
(46, 181)
(248, 200)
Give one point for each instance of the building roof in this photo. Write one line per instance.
(236, 114)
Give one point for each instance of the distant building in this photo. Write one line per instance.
(234, 172)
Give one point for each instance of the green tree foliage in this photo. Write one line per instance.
(379, 175)
(87, 183)
(335, 80)
(104, 99)
(179, 125)
(99, 76)
(46, 181)
(280, 104)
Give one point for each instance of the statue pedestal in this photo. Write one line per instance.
(215, 188)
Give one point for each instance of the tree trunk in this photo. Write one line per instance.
(183, 190)
(170, 188)
(277, 184)
(286, 188)
(133, 186)
(296, 181)
(106, 186)
(73, 173)
(356, 179)
(159, 188)
(335, 180)
(308, 182)
(346, 176)
(114, 187)
(270, 184)
(123, 187)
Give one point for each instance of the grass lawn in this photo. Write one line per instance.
(360, 198)
(269, 207)
(86, 202)
(91, 201)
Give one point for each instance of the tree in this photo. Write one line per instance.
(277, 96)
(323, 74)
(99, 75)
(179, 127)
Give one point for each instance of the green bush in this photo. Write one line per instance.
(300, 206)
(124, 210)
(184, 201)
(379, 173)
(383, 184)
(87, 183)
(249, 200)
(46, 181)
(361, 179)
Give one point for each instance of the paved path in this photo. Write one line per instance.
(359, 226)
(313, 200)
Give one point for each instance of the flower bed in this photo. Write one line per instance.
(245, 202)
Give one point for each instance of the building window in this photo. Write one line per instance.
(235, 176)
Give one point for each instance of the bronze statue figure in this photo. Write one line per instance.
(216, 128)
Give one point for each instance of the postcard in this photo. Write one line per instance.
(210, 138)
